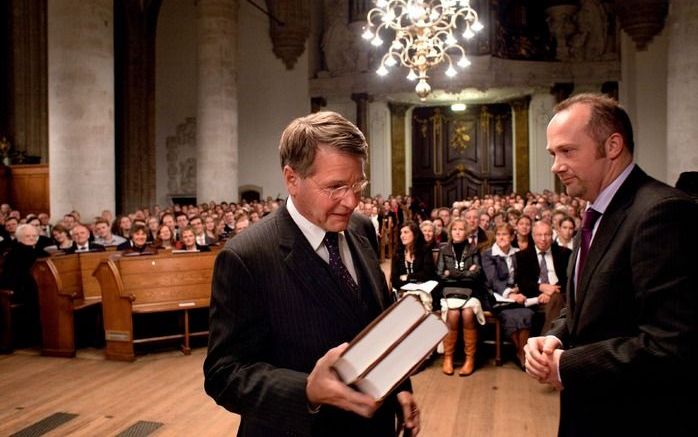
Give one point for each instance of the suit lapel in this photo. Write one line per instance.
(360, 246)
(611, 220)
(311, 271)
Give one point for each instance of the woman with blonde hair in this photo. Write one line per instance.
(463, 285)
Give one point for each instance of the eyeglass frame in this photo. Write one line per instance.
(356, 188)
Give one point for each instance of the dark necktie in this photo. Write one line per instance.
(590, 218)
(543, 269)
(336, 265)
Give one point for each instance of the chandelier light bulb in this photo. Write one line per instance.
(381, 3)
(382, 71)
(422, 89)
(477, 26)
(451, 71)
(411, 75)
(464, 62)
(368, 35)
(451, 40)
(390, 62)
(376, 41)
(468, 34)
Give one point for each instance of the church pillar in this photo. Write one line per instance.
(522, 180)
(362, 100)
(397, 146)
(539, 113)
(81, 106)
(217, 113)
(682, 87)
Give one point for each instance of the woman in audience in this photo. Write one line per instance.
(61, 238)
(165, 238)
(122, 226)
(137, 242)
(523, 233)
(210, 228)
(463, 287)
(427, 228)
(153, 224)
(413, 261)
(499, 264)
(565, 232)
(188, 241)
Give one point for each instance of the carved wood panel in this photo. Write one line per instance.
(461, 154)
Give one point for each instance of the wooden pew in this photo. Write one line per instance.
(151, 284)
(66, 286)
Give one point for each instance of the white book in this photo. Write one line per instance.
(387, 351)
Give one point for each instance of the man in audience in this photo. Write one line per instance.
(445, 215)
(10, 228)
(624, 351)
(242, 223)
(69, 222)
(541, 273)
(182, 222)
(197, 225)
(229, 220)
(478, 236)
(81, 241)
(45, 221)
(103, 235)
(284, 300)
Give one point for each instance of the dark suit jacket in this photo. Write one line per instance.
(275, 310)
(92, 247)
(496, 271)
(528, 268)
(631, 329)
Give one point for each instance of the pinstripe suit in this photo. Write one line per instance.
(275, 310)
(631, 329)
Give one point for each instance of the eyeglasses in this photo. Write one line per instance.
(339, 193)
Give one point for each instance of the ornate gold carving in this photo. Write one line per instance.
(461, 135)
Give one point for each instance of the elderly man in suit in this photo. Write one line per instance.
(541, 274)
(624, 351)
(291, 290)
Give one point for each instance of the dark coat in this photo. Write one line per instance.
(528, 268)
(631, 329)
(275, 310)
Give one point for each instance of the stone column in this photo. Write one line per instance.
(397, 146)
(217, 114)
(539, 114)
(362, 100)
(682, 87)
(379, 148)
(522, 180)
(81, 106)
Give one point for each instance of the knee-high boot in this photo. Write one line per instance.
(470, 340)
(449, 347)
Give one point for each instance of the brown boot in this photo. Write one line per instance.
(449, 347)
(470, 339)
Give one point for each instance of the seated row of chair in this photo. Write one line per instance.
(124, 286)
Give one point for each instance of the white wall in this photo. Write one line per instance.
(176, 79)
(379, 148)
(269, 98)
(643, 93)
(539, 114)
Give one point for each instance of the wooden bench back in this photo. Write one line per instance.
(88, 264)
(165, 277)
(59, 275)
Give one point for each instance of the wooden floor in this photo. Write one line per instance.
(167, 387)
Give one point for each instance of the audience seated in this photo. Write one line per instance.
(565, 235)
(413, 262)
(499, 264)
(541, 274)
(463, 287)
(188, 241)
(103, 233)
(61, 239)
(81, 241)
(138, 242)
(165, 239)
(523, 238)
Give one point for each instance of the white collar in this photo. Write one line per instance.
(497, 251)
(312, 232)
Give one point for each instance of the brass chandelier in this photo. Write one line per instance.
(424, 35)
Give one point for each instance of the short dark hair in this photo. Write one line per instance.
(607, 117)
(303, 136)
